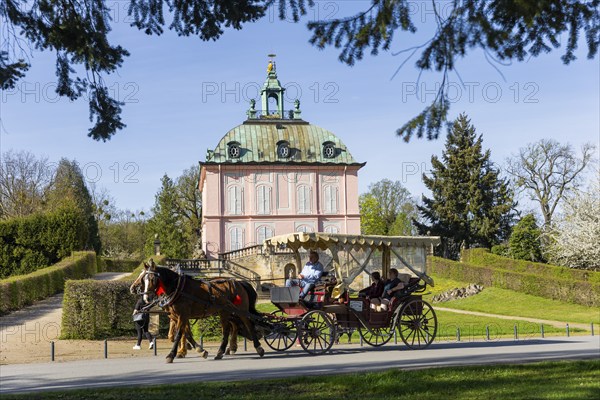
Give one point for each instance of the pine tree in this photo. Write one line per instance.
(471, 205)
(167, 223)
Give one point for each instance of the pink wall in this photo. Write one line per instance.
(241, 204)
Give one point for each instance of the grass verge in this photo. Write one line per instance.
(548, 380)
(508, 302)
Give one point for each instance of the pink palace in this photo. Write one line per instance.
(275, 174)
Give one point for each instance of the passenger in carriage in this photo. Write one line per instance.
(375, 290)
(392, 285)
(311, 273)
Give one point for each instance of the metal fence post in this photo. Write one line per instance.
(592, 328)
(516, 333)
(154, 345)
(202, 342)
(245, 345)
(105, 348)
(52, 350)
(361, 341)
(487, 332)
(542, 330)
(458, 334)
(396, 336)
(568, 334)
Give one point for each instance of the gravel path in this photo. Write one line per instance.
(26, 334)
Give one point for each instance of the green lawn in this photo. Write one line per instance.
(507, 302)
(550, 380)
(472, 327)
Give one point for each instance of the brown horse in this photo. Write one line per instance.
(233, 301)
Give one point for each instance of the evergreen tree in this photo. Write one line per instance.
(166, 222)
(69, 187)
(525, 241)
(471, 205)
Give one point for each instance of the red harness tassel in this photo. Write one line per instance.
(160, 289)
(237, 300)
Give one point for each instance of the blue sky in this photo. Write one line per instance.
(182, 95)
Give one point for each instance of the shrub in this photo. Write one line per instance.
(484, 258)
(525, 240)
(501, 250)
(575, 291)
(97, 309)
(100, 309)
(37, 241)
(21, 290)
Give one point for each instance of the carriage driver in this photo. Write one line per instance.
(311, 273)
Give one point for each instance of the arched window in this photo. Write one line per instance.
(331, 229)
(303, 199)
(263, 232)
(235, 202)
(236, 238)
(263, 199)
(330, 199)
(304, 228)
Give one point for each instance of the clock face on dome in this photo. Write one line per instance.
(329, 151)
(283, 150)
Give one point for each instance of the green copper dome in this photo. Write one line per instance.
(259, 141)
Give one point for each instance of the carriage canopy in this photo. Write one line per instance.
(350, 255)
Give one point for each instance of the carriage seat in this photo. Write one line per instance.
(323, 289)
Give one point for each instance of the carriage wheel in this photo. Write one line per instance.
(417, 324)
(283, 335)
(317, 332)
(376, 336)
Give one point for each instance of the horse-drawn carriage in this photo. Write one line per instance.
(328, 310)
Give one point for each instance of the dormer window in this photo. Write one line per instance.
(329, 150)
(233, 150)
(283, 149)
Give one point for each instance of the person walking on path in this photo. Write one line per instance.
(141, 320)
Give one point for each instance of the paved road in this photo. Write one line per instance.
(344, 359)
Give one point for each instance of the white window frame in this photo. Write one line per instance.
(236, 238)
(264, 232)
(235, 199)
(333, 229)
(304, 199)
(330, 199)
(263, 199)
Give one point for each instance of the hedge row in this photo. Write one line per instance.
(37, 241)
(483, 257)
(97, 309)
(19, 291)
(106, 264)
(100, 309)
(574, 291)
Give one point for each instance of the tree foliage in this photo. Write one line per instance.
(525, 240)
(386, 209)
(576, 236)
(24, 179)
(77, 32)
(547, 171)
(69, 187)
(471, 205)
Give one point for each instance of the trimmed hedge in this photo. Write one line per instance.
(106, 264)
(97, 309)
(37, 241)
(19, 291)
(100, 309)
(571, 290)
(483, 257)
